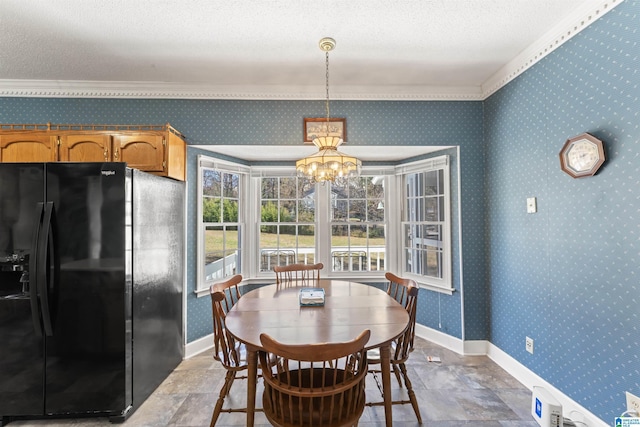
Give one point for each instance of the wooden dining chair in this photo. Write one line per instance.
(232, 354)
(405, 291)
(314, 384)
(298, 274)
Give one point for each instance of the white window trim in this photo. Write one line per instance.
(202, 287)
(323, 240)
(249, 218)
(444, 285)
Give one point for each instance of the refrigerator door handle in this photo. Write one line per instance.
(48, 265)
(33, 269)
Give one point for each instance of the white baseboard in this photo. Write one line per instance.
(198, 346)
(570, 408)
(520, 372)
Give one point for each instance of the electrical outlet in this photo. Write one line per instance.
(633, 403)
(529, 345)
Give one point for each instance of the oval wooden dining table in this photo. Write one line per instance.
(349, 309)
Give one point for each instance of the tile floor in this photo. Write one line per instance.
(458, 391)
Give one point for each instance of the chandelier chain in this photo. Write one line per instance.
(327, 84)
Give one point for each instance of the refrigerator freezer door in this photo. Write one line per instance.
(86, 356)
(21, 341)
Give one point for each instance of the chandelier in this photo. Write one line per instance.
(328, 163)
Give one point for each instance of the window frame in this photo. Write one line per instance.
(249, 216)
(205, 162)
(368, 223)
(444, 284)
(257, 182)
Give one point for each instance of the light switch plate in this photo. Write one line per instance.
(531, 205)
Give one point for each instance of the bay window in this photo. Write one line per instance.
(252, 218)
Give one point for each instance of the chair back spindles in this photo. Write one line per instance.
(314, 384)
(298, 274)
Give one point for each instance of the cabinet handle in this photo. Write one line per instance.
(106, 154)
(116, 154)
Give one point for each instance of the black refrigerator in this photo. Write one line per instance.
(91, 288)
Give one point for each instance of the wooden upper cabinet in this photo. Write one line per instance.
(157, 149)
(141, 151)
(85, 148)
(28, 147)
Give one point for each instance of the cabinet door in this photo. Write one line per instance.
(28, 147)
(142, 151)
(85, 148)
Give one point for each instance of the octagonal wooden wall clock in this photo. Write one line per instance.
(582, 156)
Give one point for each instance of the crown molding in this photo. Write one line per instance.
(164, 90)
(580, 19)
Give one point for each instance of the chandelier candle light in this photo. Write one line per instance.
(328, 163)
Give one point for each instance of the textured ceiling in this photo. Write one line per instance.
(411, 49)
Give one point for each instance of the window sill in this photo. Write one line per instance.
(439, 289)
(266, 280)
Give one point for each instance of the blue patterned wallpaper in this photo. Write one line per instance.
(568, 275)
(212, 122)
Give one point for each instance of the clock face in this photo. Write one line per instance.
(582, 156)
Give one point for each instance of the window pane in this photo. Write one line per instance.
(211, 182)
(433, 263)
(288, 188)
(211, 209)
(287, 232)
(269, 188)
(361, 245)
(306, 188)
(377, 247)
(433, 235)
(288, 211)
(357, 210)
(340, 211)
(230, 210)
(375, 210)
(306, 211)
(358, 190)
(269, 212)
(432, 212)
(231, 185)
(222, 257)
(339, 234)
